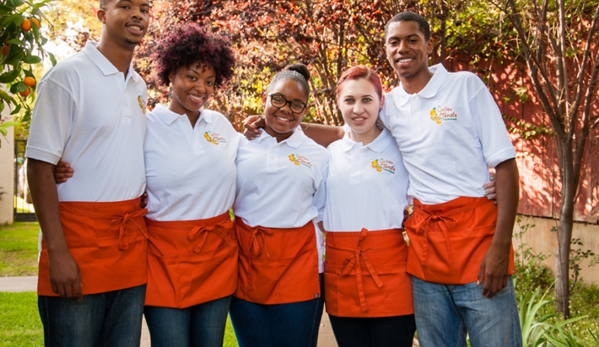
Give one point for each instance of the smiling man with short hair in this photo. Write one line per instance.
(90, 112)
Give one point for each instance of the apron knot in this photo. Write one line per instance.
(355, 260)
(254, 243)
(427, 223)
(123, 232)
(202, 233)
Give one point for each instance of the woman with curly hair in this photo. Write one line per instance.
(190, 171)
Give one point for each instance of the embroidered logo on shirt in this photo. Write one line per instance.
(442, 114)
(142, 104)
(381, 165)
(214, 138)
(300, 160)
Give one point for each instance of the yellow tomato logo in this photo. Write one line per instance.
(434, 116)
(376, 165)
(293, 159)
(210, 139)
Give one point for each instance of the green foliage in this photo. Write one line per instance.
(21, 40)
(472, 32)
(541, 324)
(534, 322)
(525, 130)
(529, 269)
(565, 337)
(577, 256)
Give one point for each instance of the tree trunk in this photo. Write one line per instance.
(564, 230)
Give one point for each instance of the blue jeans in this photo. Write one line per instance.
(445, 313)
(395, 331)
(199, 325)
(282, 325)
(106, 319)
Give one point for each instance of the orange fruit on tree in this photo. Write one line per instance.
(35, 21)
(5, 49)
(29, 81)
(26, 25)
(26, 92)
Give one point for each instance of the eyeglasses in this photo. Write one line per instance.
(279, 101)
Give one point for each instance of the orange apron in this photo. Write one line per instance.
(108, 240)
(277, 266)
(191, 262)
(365, 274)
(448, 241)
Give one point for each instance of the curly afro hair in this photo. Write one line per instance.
(189, 44)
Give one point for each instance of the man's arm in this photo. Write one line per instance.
(64, 271)
(494, 267)
(322, 134)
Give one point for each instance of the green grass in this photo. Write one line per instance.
(20, 323)
(18, 249)
(230, 340)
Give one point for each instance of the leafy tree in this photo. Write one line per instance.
(558, 40)
(328, 36)
(74, 22)
(20, 24)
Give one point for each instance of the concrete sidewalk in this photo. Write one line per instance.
(29, 284)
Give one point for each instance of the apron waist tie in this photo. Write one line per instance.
(256, 251)
(202, 233)
(423, 227)
(442, 218)
(123, 232)
(354, 261)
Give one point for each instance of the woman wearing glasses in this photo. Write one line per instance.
(279, 197)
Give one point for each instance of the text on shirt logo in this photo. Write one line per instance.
(214, 138)
(300, 160)
(381, 165)
(441, 114)
(141, 103)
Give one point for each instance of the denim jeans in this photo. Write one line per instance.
(445, 313)
(282, 325)
(111, 319)
(396, 331)
(199, 325)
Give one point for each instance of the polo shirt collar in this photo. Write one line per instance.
(431, 88)
(378, 145)
(104, 64)
(294, 141)
(168, 117)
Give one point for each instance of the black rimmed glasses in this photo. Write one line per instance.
(279, 101)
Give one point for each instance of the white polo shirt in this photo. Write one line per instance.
(93, 117)
(449, 134)
(366, 185)
(190, 171)
(282, 185)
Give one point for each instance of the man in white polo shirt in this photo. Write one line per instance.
(449, 131)
(90, 112)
